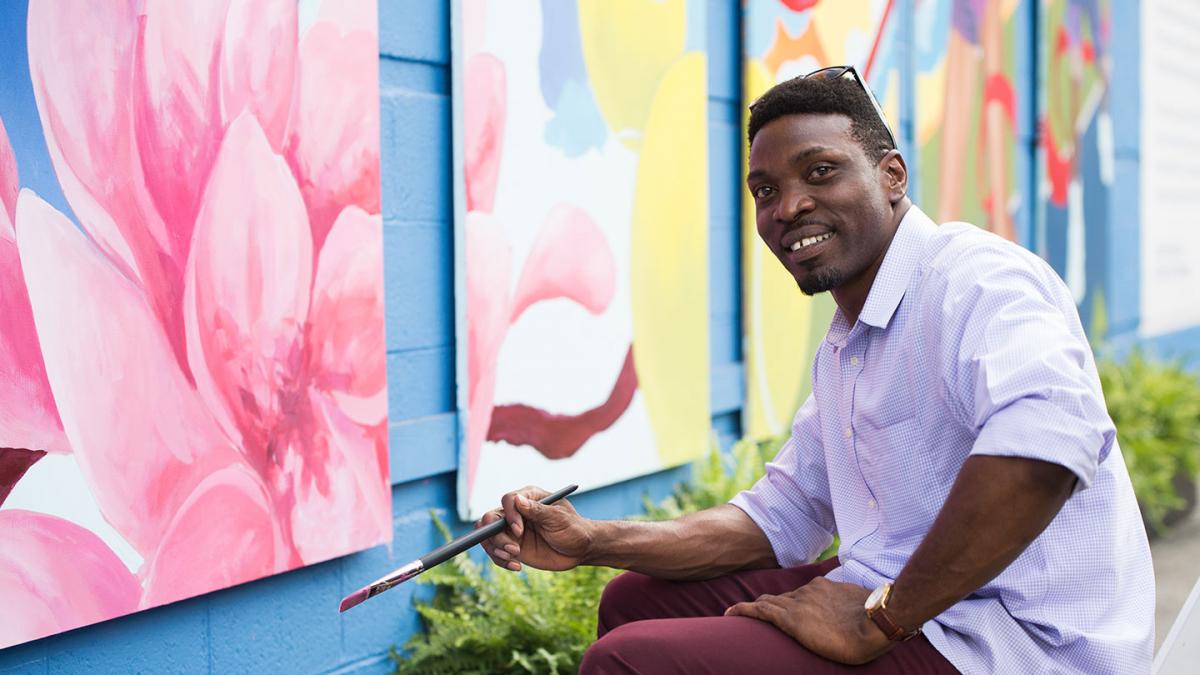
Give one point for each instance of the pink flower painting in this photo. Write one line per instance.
(199, 335)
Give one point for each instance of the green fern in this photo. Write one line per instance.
(1156, 408)
(481, 620)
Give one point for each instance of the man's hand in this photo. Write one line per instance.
(826, 617)
(553, 537)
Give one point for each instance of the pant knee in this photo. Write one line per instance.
(609, 654)
(619, 601)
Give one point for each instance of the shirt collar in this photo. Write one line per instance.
(897, 268)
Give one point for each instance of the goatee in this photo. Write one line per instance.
(820, 280)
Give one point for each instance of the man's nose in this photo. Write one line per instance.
(794, 203)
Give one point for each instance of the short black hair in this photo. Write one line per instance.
(824, 96)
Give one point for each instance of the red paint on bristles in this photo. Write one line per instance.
(354, 598)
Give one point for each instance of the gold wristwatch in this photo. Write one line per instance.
(876, 607)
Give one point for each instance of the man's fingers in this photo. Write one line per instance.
(516, 520)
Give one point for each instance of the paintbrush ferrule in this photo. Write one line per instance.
(399, 576)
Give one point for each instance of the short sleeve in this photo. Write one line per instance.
(1016, 364)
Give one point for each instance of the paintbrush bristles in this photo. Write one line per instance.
(355, 598)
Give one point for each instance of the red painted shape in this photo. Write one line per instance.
(1058, 167)
(799, 5)
(14, 462)
(561, 436)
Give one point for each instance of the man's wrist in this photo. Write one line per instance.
(595, 534)
(880, 611)
(900, 608)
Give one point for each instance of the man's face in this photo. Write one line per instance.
(820, 202)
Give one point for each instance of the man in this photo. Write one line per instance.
(956, 439)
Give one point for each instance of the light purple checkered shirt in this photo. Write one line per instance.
(967, 345)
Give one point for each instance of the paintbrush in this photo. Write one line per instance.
(439, 555)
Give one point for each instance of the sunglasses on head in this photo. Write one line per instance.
(849, 73)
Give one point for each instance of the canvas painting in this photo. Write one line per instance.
(582, 242)
(192, 383)
(1077, 150)
(968, 111)
(785, 39)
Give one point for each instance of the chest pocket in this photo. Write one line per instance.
(890, 388)
(902, 476)
(892, 438)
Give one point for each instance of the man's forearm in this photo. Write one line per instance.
(996, 508)
(696, 546)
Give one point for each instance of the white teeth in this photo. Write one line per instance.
(808, 241)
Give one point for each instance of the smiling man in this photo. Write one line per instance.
(956, 439)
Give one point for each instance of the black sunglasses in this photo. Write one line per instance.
(849, 73)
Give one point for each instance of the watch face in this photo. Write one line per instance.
(875, 597)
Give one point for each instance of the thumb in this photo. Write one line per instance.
(530, 508)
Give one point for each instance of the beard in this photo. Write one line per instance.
(820, 280)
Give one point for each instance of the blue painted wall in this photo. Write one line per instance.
(290, 622)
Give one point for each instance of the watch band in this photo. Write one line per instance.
(879, 614)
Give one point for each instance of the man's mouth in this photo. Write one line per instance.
(809, 241)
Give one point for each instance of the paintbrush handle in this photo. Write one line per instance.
(447, 551)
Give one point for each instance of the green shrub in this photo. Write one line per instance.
(1156, 408)
(484, 621)
(481, 620)
(716, 478)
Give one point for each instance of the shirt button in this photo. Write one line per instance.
(849, 432)
(871, 504)
(854, 360)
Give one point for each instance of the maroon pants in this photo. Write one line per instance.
(649, 625)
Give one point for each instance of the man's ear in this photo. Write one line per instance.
(895, 176)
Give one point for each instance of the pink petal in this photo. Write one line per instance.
(223, 534)
(247, 292)
(141, 437)
(258, 64)
(8, 183)
(351, 15)
(346, 339)
(489, 258)
(28, 415)
(483, 129)
(55, 576)
(175, 107)
(333, 143)
(81, 63)
(570, 259)
(474, 25)
(343, 500)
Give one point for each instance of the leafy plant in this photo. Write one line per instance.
(716, 478)
(484, 621)
(1156, 408)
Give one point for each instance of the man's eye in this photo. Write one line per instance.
(822, 171)
(763, 191)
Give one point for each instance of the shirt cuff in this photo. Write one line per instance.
(1024, 429)
(796, 541)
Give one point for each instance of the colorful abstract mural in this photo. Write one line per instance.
(1076, 147)
(966, 111)
(583, 220)
(784, 39)
(192, 377)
